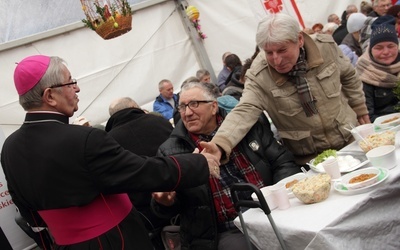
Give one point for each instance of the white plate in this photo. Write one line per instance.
(339, 187)
(380, 127)
(361, 157)
(298, 176)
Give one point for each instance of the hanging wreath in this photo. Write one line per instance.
(193, 15)
(109, 18)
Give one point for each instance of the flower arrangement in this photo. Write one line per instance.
(109, 19)
(193, 14)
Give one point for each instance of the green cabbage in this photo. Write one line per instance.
(322, 156)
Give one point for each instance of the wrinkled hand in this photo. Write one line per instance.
(164, 198)
(363, 119)
(213, 163)
(211, 148)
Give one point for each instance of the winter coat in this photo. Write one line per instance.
(333, 83)
(195, 205)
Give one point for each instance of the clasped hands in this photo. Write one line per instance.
(212, 154)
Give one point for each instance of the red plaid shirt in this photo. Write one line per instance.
(238, 169)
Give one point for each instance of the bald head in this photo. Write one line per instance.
(122, 103)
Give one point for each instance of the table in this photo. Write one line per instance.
(364, 221)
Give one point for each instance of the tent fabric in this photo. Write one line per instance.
(157, 47)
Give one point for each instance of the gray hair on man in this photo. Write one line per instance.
(122, 103)
(206, 87)
(277, 28)
(54, 75)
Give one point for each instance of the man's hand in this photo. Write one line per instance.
(164, 198)
(363, 119)
(213, 163)
(211, 148)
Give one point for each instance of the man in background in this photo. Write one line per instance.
(166, 101)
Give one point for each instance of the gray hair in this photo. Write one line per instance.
(277, 28)
(161, 83)
(120, 104)
(202, 73)
(54, 75)
(207, 89)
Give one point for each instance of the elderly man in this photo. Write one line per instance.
(309, 89)
(165, 103)
(207, 211)
(73, 179)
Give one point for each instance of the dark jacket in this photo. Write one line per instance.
(195, 205)
(50, 164)
(234, 87)
(380, 101)
(141, 134)
(339, 34)
(353, 44)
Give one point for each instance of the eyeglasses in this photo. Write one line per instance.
(192, 105)
(73, 83)
(385, 5)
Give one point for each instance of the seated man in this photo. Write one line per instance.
(166, 101)
(207, 223)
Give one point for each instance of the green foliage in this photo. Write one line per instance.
(126, 8)
(88, 24)
(396, 91)
(322, 156)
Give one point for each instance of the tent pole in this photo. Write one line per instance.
(201, 53)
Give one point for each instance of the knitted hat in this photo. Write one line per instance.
(355, 22)
(383, 30)
(29, 72)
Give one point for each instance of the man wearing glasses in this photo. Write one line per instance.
(74, 179)
(207, 211)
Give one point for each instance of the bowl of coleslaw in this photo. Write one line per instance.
(377, 139)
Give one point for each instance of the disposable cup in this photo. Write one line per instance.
(331, 167)
(362, 131)
(281, 196)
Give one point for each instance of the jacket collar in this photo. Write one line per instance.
(43, 116)
(122, 117)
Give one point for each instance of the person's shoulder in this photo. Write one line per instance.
(259, 64)
(323, 38)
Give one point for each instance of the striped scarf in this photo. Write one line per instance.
(298, 75)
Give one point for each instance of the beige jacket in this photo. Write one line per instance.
(333, 83)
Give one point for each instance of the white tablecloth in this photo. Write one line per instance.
(364, 221)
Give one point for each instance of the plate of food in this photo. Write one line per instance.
(341, 187)
(347, 162)
(290, 181)
(387, 121)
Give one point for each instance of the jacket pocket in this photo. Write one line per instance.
(298, 142)
(287, 100)
(329, 79)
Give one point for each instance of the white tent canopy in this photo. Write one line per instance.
(158, 47)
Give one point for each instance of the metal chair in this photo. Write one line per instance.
(261, 203)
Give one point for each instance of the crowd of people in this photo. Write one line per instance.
(266, 116)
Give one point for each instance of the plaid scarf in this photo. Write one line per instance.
(238, 169)
(298, 75)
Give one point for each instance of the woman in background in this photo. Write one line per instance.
(379, 68)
